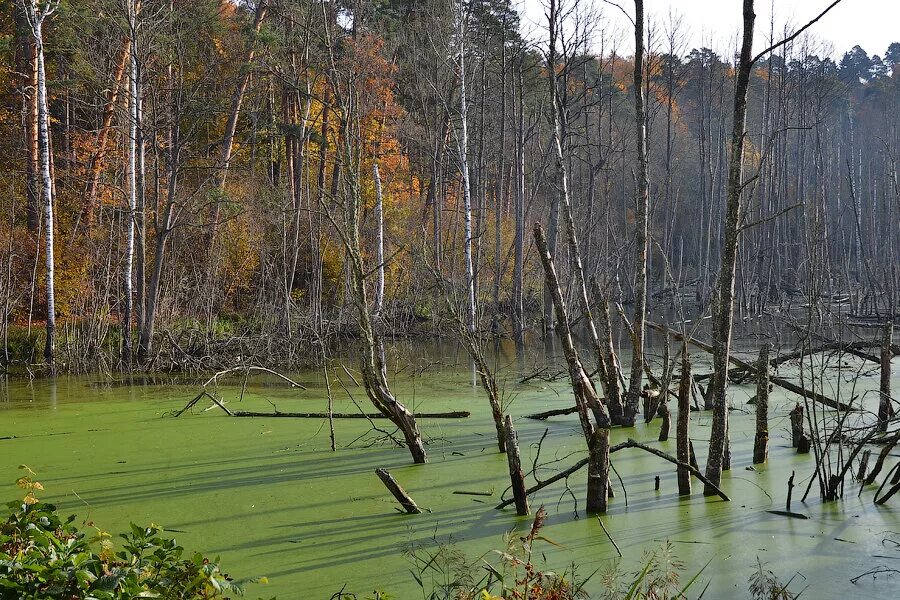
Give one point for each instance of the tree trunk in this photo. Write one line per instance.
(684, 419)
(642, 221)
(885, 408)
(761, 442)
(722, 319)
(36, 18)
(519, 215)
(100, 145)
(517, 479)
(127, 271)
(586, 399)
(464, 166)
(379, 243)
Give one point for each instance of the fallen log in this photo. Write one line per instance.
(557, 412)
(459, 414)
(779, 381)
(399, 493)
(628, 444)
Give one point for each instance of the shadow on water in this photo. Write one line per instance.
(270, 497)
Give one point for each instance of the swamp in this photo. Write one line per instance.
(449, 299)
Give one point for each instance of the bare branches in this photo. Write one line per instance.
(796, 34)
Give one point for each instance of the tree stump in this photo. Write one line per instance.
(797, 435)
(761, 442)
(666, 421)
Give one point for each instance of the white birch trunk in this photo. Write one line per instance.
(464, 162)
(379, 242)
(128, 268)
(36, 18)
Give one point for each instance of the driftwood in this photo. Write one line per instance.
(629, 444)
(409, 506)
(780, 382)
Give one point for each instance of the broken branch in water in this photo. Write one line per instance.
(629, 444)
(399, 493)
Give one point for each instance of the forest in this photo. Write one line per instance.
(391, 231)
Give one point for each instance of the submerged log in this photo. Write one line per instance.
(459, 414)
(543, 416)
(399, 493)
(517, 479)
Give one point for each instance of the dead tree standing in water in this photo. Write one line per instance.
(885, 408)
(684, 451)
(344, 85)
(761, 442)
(586, 400)
(724, 307)
(642, 217)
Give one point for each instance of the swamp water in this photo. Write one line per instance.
(271, 499)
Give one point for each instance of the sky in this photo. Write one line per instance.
(872, 24)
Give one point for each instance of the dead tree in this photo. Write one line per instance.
(683, 450)
(374, 368)
(761, 442)
(799, 440)
(885, 408)
(586, 399)
(642, 218)
(517, 479)
(666, 421)
(732, 226)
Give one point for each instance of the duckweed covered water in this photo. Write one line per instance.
(270, 497)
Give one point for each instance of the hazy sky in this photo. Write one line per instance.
(872, 24)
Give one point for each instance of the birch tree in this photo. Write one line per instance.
(464, 167)
(37, 12)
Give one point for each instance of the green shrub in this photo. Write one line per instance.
(44, 556)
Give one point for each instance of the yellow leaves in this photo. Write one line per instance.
(27, 483)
